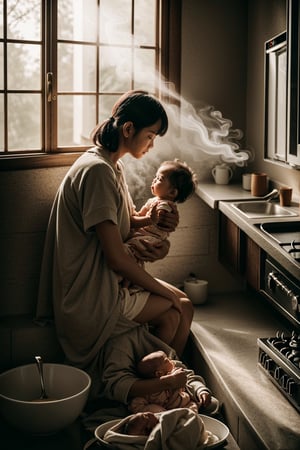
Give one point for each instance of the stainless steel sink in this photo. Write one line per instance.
(261, 208)
(282, 232)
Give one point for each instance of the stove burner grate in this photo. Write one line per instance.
(287, 346)
(292, 248)
(279, 357)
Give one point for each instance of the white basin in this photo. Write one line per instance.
(262, 208)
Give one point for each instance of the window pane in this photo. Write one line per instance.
(76, 119)
(24, 19)
(76, 68)
(24, 127)
(106, 103)
(115, 69)
(115, 21)
(1, 123)
(144, 22)
(1, 66)
(24, 66)
(144, 69)
(1, 18)
(76, 21)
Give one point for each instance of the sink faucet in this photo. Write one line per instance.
(270, 196)
(273, 194)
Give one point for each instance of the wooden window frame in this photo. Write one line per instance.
(170, 67)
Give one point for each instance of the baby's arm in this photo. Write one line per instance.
(204, 398)
(147, 215)
(196, 386)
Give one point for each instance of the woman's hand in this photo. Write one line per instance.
(168, 221)
(152, 252)
(175, 380)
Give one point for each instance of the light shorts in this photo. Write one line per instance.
(133, 301)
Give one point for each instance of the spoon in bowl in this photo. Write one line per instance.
(39, 363)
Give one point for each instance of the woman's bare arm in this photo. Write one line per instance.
(123, 264)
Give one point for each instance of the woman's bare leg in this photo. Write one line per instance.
(170, 326)
(183, 330)
(160, 313)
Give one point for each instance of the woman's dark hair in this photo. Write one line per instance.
(138, 107)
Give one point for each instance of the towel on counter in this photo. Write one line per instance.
(177, 429)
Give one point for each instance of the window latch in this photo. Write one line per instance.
(50, 87)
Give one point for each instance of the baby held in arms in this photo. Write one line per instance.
(194, 396)
(173, 183)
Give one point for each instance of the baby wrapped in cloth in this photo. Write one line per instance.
(174, 430)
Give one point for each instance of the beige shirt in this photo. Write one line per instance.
(76, 286)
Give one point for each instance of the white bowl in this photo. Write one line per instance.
(217, 428)
(67, 388)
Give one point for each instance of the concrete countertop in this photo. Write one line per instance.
(270, 246)
(221, 196)
(225, 331)
(213, 193)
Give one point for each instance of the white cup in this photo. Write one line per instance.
(196, 290)
(247, 181)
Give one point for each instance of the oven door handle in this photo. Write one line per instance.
(274, 282)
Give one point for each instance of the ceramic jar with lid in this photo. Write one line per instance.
(222, 173)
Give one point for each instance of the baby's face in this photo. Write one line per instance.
(142, 424)
(166, 366)
(161, 186)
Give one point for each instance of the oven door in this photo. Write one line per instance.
(283, 291)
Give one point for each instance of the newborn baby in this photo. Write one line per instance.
(140, 424)
(158, 365)
(175, 429)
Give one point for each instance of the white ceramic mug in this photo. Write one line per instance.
(222, 173)
(196, 290)
(247, 181)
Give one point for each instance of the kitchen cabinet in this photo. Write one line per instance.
(253, 264)
(239, 253)
(231, 246)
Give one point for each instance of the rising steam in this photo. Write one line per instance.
(201, 138)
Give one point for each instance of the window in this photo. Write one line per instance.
(276, 97)
(63, 63)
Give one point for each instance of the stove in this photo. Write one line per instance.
(286, 234)
(293, 248)
(279, 358)
(282, 290)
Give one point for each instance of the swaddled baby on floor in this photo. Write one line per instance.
(175, 429)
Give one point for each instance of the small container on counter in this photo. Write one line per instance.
(259, 184)
(285, 196)
(246, 181)
(196, 290)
